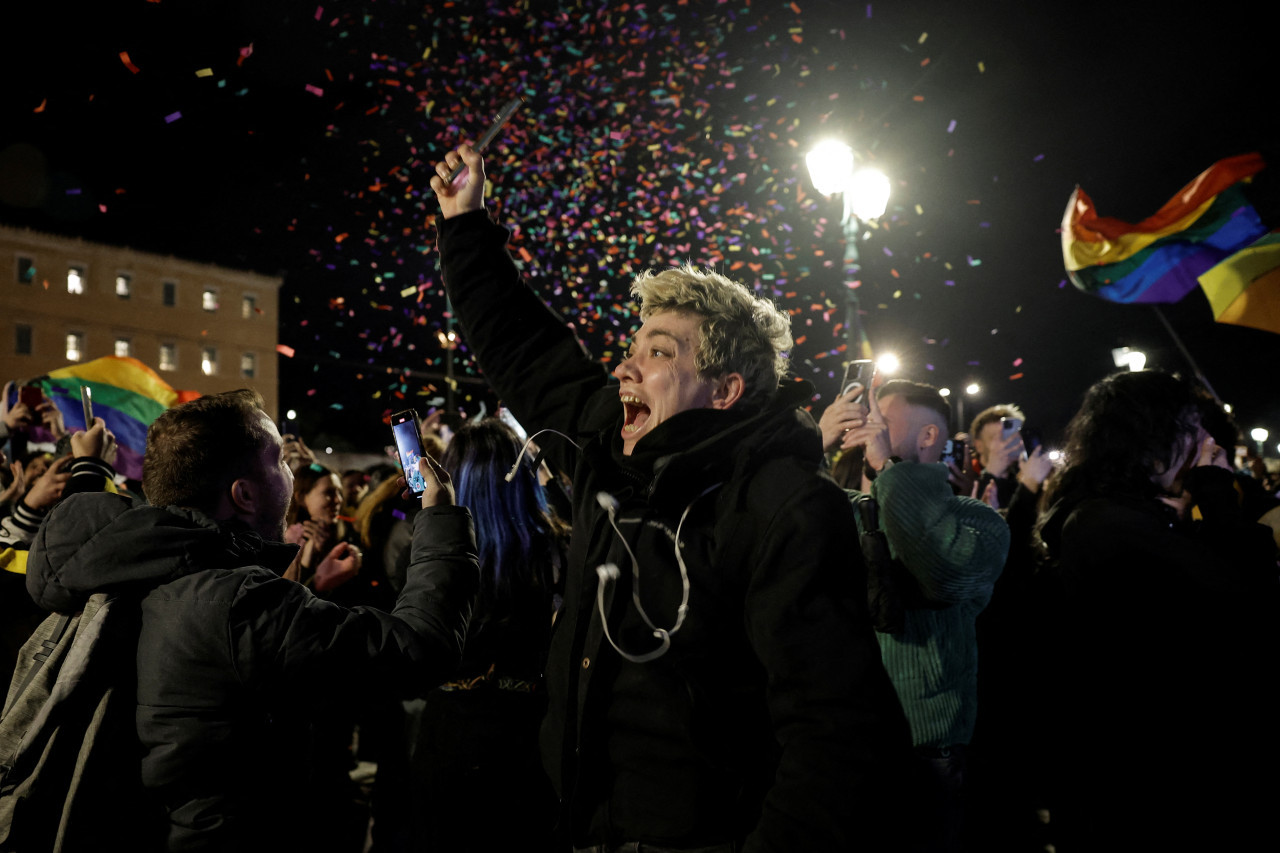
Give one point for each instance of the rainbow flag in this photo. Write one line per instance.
(127, 395)
(1245, 288)
(1161, 258)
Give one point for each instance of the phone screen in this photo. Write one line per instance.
(1008, 426)
(86, 401)
(404, 427)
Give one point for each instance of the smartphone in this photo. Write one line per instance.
(1008, 426)
(407, 431)
(32, 396)
(1031, 439)
(857, 372)
(953, 452)
(86, 402)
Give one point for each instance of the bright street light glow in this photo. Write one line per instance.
(1055, 455)
(868, 193)
(1137, 360)
(944, 392)
(1259, 434)
(291, 415)
(887, 363)
(972, 388)
(830, 166)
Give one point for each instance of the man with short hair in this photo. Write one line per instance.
(232, 658)
(952, 549)
(998, 456)
(713, 680)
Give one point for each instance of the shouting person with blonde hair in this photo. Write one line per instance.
(713, 680)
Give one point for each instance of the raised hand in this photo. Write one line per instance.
(466, 193)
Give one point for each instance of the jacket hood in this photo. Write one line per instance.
(101, 542)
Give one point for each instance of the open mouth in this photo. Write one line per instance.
(636, 414)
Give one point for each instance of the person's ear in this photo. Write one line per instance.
(727, 391)
(244, 495)
(929, 435)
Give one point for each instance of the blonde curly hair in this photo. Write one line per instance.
(739, 333)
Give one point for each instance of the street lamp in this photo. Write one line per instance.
(865, 195)
(1128, 357)
(972, 389)
(1259, 435)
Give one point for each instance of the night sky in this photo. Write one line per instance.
(298, 139)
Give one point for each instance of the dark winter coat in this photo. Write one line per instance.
(770, 721)
(232, 657)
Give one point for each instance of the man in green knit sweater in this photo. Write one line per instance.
(948, 551)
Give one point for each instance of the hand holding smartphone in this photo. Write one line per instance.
(407, 431)
(86, 403)
(504, 115)
(857, 372)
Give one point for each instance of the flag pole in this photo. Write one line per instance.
(1204, 380)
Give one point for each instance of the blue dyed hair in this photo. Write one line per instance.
(511, 518)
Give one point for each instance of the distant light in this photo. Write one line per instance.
(1137, 360)
(944, 392)
(830, 166)
(887, 363)
(1226, 407)
(291, 415)
(868, 193)
(328, 450)
(1055, 455)
(972, 388)
(1259, 434)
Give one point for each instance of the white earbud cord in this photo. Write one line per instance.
(525, 449)
(609, 571)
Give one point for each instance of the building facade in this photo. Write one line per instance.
(201, 327)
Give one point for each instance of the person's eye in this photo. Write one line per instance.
(657, 353)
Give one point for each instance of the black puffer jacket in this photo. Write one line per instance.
(232, 657)
(770, 723)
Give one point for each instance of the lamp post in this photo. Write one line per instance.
(1260, 435)
(865, 195)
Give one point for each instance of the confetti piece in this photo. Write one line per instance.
(172, 117)
(982, 68)
(204, 72)
(286, 351)
(40, 108)
(124, 57)
(315, 90)
(951, 127)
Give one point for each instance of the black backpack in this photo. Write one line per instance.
(69, 750)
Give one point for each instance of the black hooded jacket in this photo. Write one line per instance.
(232, 657)
(770, 722)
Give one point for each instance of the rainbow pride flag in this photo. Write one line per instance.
(1161, 258)
(127, 395)
(1245, 288)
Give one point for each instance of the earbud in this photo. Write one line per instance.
(608, 571)
(607, 502)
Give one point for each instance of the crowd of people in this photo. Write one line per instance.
(691, 612)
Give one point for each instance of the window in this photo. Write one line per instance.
(248, 365)
(168, 357)
(75, 346)
(124, 347)
(209, 299)
(248, 306)
(26, 270)
(75, 279)
(208, 360)
(124, 285)
(170, 294)
(23, 343)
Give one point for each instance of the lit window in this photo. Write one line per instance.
(209, 300)
(248, 305)
(23, 343)
(248, 365)
(168, 357)
(75, 346)
(124, 347)
(208, 361)
(170, 294)
(26, 270)
(124, 285)
(75, 279)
